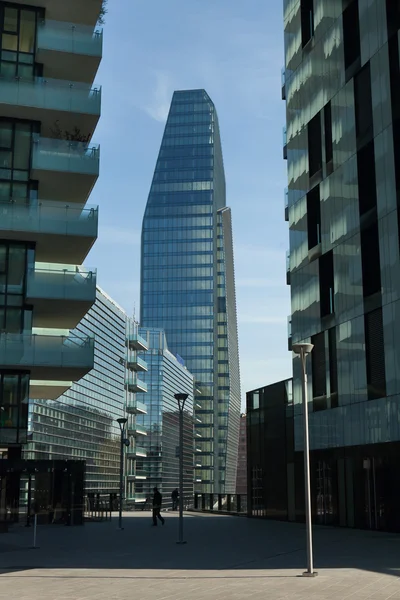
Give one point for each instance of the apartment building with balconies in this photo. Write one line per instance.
(50, 51)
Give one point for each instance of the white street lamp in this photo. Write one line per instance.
(302, 350)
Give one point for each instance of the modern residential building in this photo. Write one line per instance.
(270, 452)
(49, 107)
(158, 459)
(342, 90)
(187, 278)
(81, 424)
(241, 476)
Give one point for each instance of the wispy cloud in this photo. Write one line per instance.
(161, 97)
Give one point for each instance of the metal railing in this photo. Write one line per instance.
(224, 503)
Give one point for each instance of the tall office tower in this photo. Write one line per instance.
(187, 278)
(50, 52)
(342, 88)
(82, 423)
(158, 459)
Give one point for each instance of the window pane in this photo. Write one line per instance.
(25, 71)
(13, 320)
(27, 31)
(16, 269)
(11, 19)
(5, 190)
(7, 69)
(5, 159)
(9, 42)
(5, 135)
(19, 190)
(22, 147)
(10, 389)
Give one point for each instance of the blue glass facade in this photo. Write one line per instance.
(165, 377)
(187, 278)
(81, 424)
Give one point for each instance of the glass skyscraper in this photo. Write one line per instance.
(342, 90)
(187, 278)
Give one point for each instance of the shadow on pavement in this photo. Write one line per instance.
(214, 543)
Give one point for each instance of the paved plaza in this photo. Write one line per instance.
(225, 557)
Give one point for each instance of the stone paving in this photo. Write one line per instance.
(225, 557)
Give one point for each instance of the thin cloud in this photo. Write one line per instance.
(158, 107)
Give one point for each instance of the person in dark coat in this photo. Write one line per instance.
(157, 502)
(175, 496)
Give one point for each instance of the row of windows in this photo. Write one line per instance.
(187, 175)
(180, 198)
(178, 272)
(185, 163)
(195, 151)
(172, 224)
(182, 299)
(188, 129)
(205, 106)
(185, 261)
(177, 247)
(188, 186)
(194, 210)
(199, 117)
(191, 140)
(179, 234)
(166, 285)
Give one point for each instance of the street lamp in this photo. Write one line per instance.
(181, 399)
(302, 350)
(121, 422)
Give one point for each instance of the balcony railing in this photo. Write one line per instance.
(136, 363)
(30, 350)
(134, 406)
(51, 94)
(135, 429)
(136, 341)
(134, 452)
(48, 217)
(134, 384)
(68, 283)
(69, 37)
(63, 156)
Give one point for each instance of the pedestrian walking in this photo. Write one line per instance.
(157, 502)
(175, 497)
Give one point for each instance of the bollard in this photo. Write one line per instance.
(34, 532)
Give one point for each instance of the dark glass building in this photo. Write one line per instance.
(270, 452)
(159, 464)
(342, 90)
(187, 278)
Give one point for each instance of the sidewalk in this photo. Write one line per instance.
(225, 557)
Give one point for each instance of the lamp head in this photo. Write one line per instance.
(122, 421)
(302, 348)
(181, 398)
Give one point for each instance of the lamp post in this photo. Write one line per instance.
(121, 422)
(303, 350)
(181, 399)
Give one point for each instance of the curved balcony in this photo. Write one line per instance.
(61, 295)
(53, 102)
(135, 363)
(47, 357)
(61, 232)
(135, 385)
(134, 407)
(136, 341)
(68, 50)
(135, 429)
(136, 452)
(65, 170)
(68, 10)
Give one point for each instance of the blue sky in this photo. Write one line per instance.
(234, 50)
